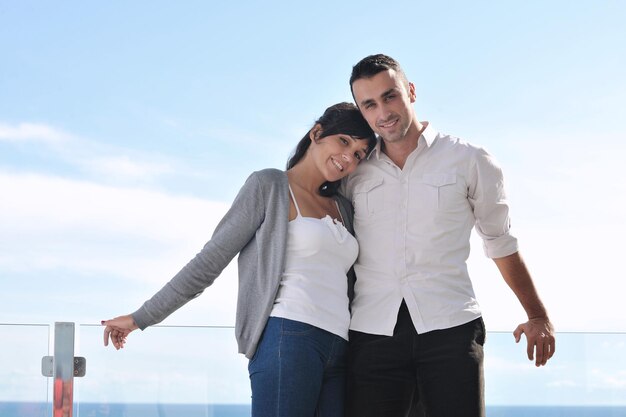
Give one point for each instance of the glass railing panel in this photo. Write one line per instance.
(163, 371)
(23, 389)
(586, 377)
(196, 371)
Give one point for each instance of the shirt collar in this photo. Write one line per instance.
(429, 134)
(376, 149)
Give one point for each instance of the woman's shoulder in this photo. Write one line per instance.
(268, 179)
(270, 174)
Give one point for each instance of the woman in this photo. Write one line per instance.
(291, 232)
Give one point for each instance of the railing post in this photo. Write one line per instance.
(63, 367)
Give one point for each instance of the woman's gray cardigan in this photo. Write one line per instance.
(255, 227)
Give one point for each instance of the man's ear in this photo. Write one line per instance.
(315, 132)
(412, 95)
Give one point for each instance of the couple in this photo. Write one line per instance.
(415, 329)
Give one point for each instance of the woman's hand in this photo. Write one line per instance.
(117, 330)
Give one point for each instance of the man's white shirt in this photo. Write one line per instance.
(413, 227)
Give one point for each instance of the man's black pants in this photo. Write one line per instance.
(442, 370)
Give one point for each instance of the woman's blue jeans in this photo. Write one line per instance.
(298, 370)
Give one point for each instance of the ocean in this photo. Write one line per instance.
(38, 409)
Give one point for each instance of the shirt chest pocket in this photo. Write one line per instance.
(440, 190)
(368, 197)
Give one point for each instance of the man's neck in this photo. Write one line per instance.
(399, 151)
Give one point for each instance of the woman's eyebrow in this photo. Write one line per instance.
(354, 138)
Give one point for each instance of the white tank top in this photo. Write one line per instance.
(314, 287)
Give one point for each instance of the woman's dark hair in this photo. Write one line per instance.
(341, 118)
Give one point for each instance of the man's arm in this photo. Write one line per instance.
(538, 329)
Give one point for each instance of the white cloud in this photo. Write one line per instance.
(32, 132)
(125, 167)
(613, 345)
(111, 163)
(85, 236)
(614, 379)
(53, 221)
(563, 383)
(95, 159)
(249, 142)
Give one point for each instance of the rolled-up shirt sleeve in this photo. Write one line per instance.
(487, 197)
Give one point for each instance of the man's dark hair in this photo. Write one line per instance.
(341, 118)
(372, 65)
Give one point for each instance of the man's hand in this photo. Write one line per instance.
(538, 329)
(540, 339)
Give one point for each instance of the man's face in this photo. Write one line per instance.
(385, 101)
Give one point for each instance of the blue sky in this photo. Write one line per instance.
(127, 129)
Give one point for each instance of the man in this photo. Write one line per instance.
(416, 332)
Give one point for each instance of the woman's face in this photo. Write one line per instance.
(338, 155)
